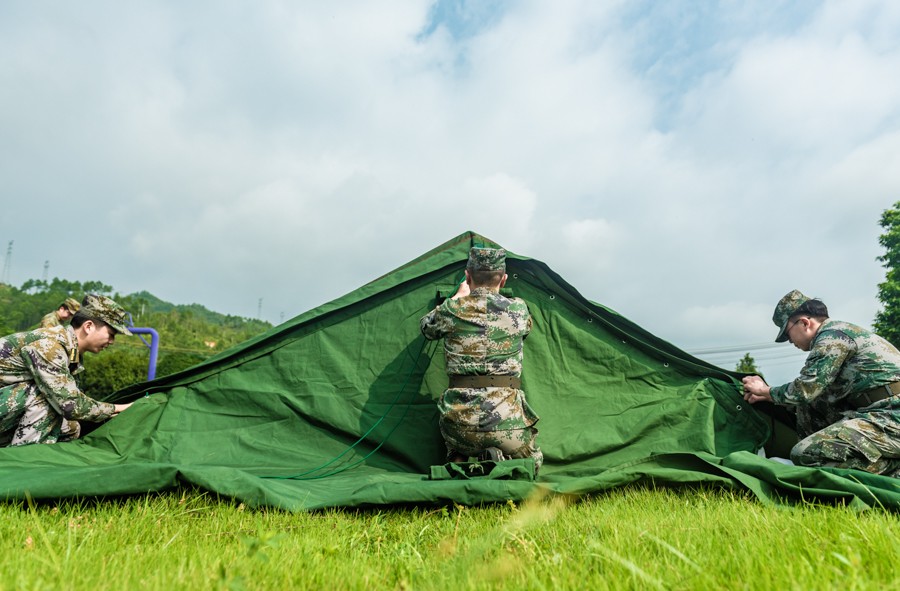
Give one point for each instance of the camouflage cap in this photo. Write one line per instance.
(786, 308)
(100, 307)
(71, 304)
(486, 259)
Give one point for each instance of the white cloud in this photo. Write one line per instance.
(710, 322)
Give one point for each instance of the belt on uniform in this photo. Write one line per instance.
(485, 382)
(874, 395)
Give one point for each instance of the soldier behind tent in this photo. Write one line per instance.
(39, 399)
(847, 397)
(62, 314)
(483, 413)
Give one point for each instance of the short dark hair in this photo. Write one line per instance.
(486, 278)
(80, 318)
(814, 308)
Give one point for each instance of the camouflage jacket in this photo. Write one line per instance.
(50, 320)
(483, 333)
(843, 360)
(48, 358)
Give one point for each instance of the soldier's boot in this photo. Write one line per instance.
(492, 454)
(894, 469)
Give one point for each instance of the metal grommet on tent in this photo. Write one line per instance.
(665, 365)
(515, 275)
(739, 407)
(590, 319)
(552, 297)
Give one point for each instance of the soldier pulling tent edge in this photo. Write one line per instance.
(483, 412)
(39, 399)
(846, 397)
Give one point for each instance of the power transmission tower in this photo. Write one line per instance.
(259, 310)
(7, 264)
(46, 269)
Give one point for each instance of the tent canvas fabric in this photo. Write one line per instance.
(337, 407)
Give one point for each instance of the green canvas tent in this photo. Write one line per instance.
(337, 408)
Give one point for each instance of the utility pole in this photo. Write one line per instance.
(7, 265)
(259, 310)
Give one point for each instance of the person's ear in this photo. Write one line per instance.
(468, 278)
(503, 281)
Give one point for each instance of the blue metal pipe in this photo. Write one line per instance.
(154, 348)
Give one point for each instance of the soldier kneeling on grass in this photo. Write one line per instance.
(484, 414)
(39, 399)
(847, 397)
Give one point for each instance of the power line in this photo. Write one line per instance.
(736, 348)
(767, 356)
(758, 353)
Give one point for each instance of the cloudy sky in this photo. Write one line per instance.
(683, 163)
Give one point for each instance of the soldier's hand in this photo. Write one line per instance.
(462, 291)
(756, 389)
(120, 407)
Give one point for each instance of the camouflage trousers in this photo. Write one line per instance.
(26, 417)
(474, 419)
(514, 443)
(852, 443)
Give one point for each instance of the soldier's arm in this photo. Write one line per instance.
(439, 322)
(521, 316)
(819, 371)
(51, 375)
(462, 291)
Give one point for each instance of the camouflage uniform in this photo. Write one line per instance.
(39, 399)
(52, 319)
(844, 361)
(483, 335)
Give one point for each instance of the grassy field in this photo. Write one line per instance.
(631, 538)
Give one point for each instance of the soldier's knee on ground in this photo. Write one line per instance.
(848, 444)
(819, 450)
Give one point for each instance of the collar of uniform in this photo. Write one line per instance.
(72, 346)
(826, 325)
(482, 291)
